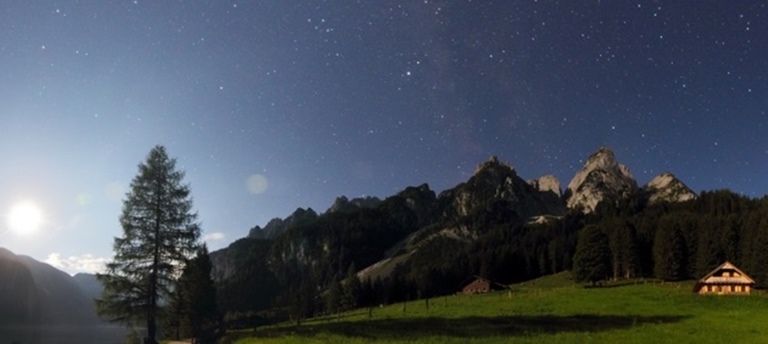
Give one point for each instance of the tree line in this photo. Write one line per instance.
(678, 241)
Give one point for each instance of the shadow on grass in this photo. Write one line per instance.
(625, 283)
(470, 327)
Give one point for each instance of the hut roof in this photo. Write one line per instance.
(710, 278)
(474, 278)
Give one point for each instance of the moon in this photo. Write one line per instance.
(25, 218)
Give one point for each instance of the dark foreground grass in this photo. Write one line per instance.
(544, 311)
(466, 328)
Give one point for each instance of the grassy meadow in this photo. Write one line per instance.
(548, 310)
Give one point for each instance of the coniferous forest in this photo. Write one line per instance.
(312, 267)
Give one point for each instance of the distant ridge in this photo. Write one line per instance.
(32, 292)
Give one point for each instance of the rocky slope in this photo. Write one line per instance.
(667, 188)
(496, 185)
(277, 226)
(602, 179)
(494, 194)
(345, 205)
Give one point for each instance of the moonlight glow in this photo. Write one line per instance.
(25, 218)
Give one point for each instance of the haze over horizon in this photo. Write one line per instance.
(272, 106)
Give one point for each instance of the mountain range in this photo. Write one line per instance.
(378, 237)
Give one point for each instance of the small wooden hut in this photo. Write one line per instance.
(478, 286)
(725, 279)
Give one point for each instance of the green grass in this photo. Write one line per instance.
(548, 310)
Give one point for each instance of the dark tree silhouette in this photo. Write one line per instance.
(202, 315)
(669, 252)
(159, 234)
(592, 260)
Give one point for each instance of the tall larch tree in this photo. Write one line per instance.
(160, 234)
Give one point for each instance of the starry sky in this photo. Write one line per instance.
(273, 105)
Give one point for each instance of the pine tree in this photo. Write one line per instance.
(159, 234)
(196, 284)
(755, 253)
(333, 297)
(174, 325)
(351, 289)
(623, 247)
(592, 260)
(669, 252)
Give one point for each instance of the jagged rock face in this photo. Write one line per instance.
(236, 257)
(551, 194)
(418, 197)
(547, 184)
(667, 188)
(345, 205)
(497, 183)
(601, 179)
(420, 200)
(277, 226)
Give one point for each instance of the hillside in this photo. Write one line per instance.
(550, 310)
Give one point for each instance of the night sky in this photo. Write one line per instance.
(273, 105)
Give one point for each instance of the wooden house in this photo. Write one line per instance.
(477, 286)
(725, 279)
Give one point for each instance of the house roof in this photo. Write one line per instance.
(476, 278)
(712, 279)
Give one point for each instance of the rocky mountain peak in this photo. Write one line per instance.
(496, 184)
(603, 159)
(601, 179)
(667, 188)
(345, 205)
(494, 166)
(418, 197)
(277, 226)
(547, 184)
